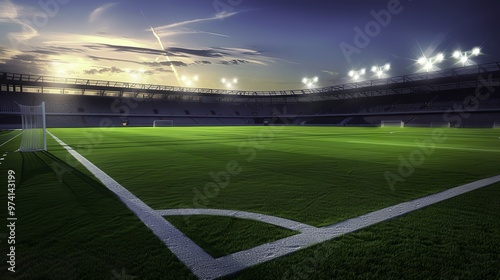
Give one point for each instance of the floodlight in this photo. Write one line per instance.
(357, 74)
(422, 60)
(464, 59)
(309, 82)
(229, 82)
(380, 70)
(457, 54)
(440, 57)
(476, 51)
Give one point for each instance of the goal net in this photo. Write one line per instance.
(163, 123)
(34, 131)
(392, 124)
(441, 124)
(496, 124)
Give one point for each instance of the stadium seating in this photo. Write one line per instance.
(416, 109)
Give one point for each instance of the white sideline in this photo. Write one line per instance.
(183, 247)
(416, 146)
(10, 139)
(206, 267)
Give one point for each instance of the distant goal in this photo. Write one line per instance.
(496, 124)
(392, 124)
(163, 123)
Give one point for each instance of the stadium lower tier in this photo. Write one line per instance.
(436, 108)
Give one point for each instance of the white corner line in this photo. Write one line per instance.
(184, 248)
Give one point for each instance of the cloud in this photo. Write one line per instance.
(99, 11)
(24, 64)
(204, 62)
(219, 16)
(94, 71)
(118, 48)
(12, 13)
(235, 62)
(332, 73)
(203, 53)
(173, 32)
(165, 63)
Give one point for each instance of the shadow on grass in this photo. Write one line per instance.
(45, 164)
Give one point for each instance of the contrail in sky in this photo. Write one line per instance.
(163, 49)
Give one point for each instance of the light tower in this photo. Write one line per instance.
(189, 81)
(428, 63)
(463, 57)
(229, 83)
(380, 70)
(357, 74)
(310, 82)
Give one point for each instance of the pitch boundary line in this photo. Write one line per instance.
(416, 146)
(205, 266)
(10, 139)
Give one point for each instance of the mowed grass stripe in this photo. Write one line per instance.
(304, 174)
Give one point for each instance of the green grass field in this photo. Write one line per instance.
(72, 227)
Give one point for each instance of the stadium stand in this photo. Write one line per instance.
(419, 103)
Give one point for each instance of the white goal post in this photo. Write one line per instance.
(496, 124)
(34, 130)
(392, 124)
(163, 123)
(441, 124)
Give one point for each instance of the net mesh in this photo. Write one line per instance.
(34, 136)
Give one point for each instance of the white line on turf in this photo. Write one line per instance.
(10, 139)
(184, 248)
(206, 267)
(416, 146)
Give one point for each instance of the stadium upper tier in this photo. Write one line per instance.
(455, 78)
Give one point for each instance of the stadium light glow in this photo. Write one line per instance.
(463, 57)
(229, 83)
(380, 70)
(356, 75)
(310, 82)
(428, 63)
(189, 81)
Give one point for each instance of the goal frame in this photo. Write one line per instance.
(30, 126)
(155, 123)
(392, 123)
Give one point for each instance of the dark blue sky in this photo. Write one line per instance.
(264, 44)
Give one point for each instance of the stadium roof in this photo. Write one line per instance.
(461, 77)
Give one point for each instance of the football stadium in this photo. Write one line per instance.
(377, 176)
